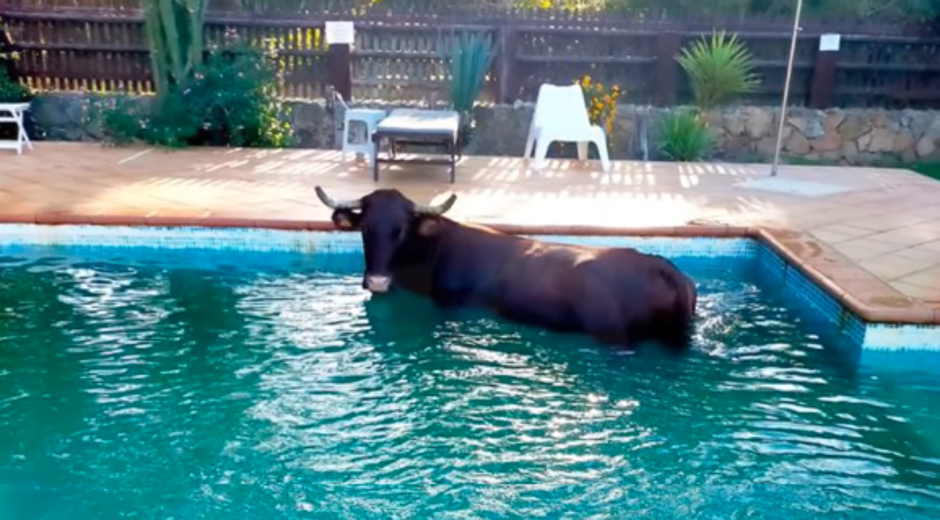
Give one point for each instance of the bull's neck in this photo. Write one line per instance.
(415, 256)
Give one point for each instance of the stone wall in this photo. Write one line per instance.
(850, 136)
(853, 136)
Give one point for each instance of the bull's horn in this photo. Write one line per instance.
(337, 204)
(438, 209)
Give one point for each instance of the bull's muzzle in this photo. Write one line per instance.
(377, 283)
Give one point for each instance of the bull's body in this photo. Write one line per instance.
(616, 295)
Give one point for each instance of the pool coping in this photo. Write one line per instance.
(891, 311)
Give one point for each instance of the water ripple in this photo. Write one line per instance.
(151, 390)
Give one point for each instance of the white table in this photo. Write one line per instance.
(13, 113)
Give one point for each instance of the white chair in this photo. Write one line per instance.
(13, 113)
(561, 115)
(369, 116)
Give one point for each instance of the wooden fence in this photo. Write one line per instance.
(400, 58)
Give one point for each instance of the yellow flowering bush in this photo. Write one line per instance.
(601, 102)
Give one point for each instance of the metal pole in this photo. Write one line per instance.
(786, 88)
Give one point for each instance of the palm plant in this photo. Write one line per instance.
(718, 69)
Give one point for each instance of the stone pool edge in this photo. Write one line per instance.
(815, 261)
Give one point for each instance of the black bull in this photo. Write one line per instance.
(618, 296)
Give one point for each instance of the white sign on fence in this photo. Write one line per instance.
(340, 33)
(829, 42)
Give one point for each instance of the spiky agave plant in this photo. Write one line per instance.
(718, 69)
(470, 61)
(683, 136)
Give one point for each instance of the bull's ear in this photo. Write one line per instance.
(346, 219)
(429, 226)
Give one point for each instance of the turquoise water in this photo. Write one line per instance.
(272, 387)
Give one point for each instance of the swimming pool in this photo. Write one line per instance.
(227, 374)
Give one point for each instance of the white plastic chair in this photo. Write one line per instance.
(13, 113)
(369, 116)
(561, 115)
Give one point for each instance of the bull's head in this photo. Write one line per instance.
(385, 219)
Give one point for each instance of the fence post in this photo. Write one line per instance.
(507, 47)
(339, 67)
(824, 71)
(667, 70)
(340, 36)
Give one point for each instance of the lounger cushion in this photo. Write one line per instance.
(421, 123)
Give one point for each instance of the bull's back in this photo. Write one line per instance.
(540, 285)
(565, 287)
(654, 277)
(656, 298)
(470, 264)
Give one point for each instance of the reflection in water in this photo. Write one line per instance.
(280, 390)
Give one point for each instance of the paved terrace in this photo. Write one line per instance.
(871, 236)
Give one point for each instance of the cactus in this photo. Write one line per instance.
(174, 31)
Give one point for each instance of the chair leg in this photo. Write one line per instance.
(583, 150)
(541, 152)
(21, 138)
(529, 144)
(346, 143)
(376, 144)
(602, 151)
(23, 134)
(453, 161)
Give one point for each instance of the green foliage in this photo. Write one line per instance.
(174, 32)
(683, 136)
(122, 119)
(230, 101)
(13, 91)
(470, 61)
(874, 10)
(719, 70)
(234, 101)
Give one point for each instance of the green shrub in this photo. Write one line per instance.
(175, 121)
(683, 136)
(719, 70)
(236, 97)
(13, 91)
(122, 119)
(231, 101)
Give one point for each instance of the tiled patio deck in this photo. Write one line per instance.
(873, 238)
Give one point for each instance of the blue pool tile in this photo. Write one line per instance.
(902, 337)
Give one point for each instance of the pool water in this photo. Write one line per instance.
(273, 387)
